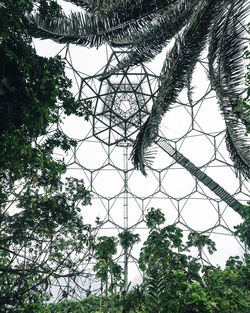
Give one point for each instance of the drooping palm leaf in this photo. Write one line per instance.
(111, 7)
(82, 29)
(227, 75)
(148, 43)
(179, 64)
(116, 18)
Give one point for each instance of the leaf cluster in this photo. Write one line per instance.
(42, 234)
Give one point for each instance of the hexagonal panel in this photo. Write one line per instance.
(226, 244)
(170, 124)
(198, 148)
(108, 182)
(91, 155)
(178, 182)
(199, 216)
(208, 117)
(225, 177)
(143, 186)
(75, 127)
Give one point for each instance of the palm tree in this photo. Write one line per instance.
(146, 27)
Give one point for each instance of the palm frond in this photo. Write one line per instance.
(179, 65)
(85, 4)
(239, 148)
(110, 8)
(227, 75)
(112, 18)
(148, 43)
(82, 29)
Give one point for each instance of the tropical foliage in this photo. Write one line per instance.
(39, 214)
(43, 238)
(145, 27)
(174, 281)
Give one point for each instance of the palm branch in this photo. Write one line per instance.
(146, 27)
(179, 65)
(226, 75)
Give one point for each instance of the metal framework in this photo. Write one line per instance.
(192, 178)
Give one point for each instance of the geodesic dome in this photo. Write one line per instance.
(191, 178)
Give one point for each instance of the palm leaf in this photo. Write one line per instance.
(179, 65)
(82, 29)
(227, 75)
(148, 43)
(112, 18)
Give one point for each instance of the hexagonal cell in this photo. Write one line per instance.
(198, 148)
(108, 182)
(226, 245)
(208, 117)
(143, 186)
(92, 155)
(108, 229)
(222, 153)
(206, 192)
(94, 59)
(162, 159)
(116, 211)
(198, 215)
(167, 206)
(77, 172)
(74, 77)
(178, 182)
(176, 123)
(245, 191)
(118, 207)
(230, 218)
(134, 275)
(75, 127)
(225, 177)
(119, 157)
(97, 209)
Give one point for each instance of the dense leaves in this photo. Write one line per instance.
(39, 214)
(174, 281)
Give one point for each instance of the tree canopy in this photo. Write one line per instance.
(39, 214)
